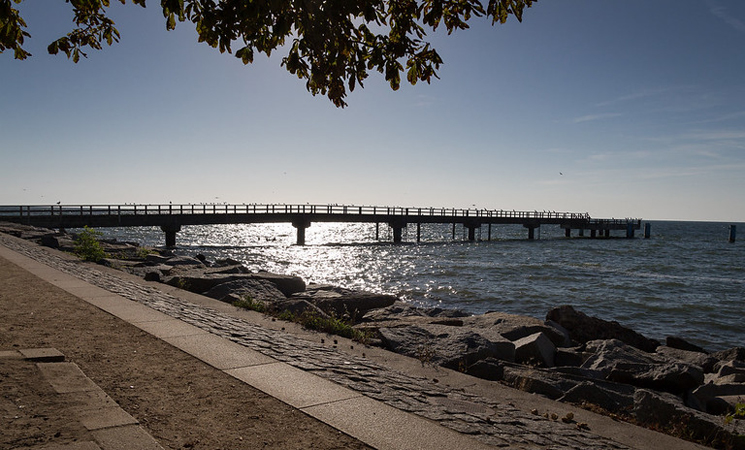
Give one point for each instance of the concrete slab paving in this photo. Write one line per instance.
(88, 445)
(134, 313)
(168, 327)
(66, 377)
(47, 355)
(106, 418)
(86, 401)
(87, 291)
(382, 426)
(218, 352)
(131, 437)
(291, 385)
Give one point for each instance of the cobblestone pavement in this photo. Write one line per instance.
(497, 424)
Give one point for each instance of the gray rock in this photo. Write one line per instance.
(733, 371)
(183, 261)
(583, 328)
(231, 269)
(451, 347)
(256, 289)
(724, 356)
(689, 357)
(400, 310)
(287, 284)
(568, 357)
(536, 349)
(616, 361)
(152, 276)
(537, 381)
(514, 327)
(227, 262)
(346, 303)
(682, 344)
(201, 281)
(705, 397)
(198, 282)
(488, 369)
(666, 410)
(154, 259)
(61, 242)
(592, 393)
(296, 307)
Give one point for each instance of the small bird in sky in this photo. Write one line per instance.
(561, 173)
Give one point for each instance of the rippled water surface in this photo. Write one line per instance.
(687, 280)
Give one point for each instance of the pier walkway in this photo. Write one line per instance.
(170, 218)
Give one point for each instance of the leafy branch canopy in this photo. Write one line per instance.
(334, 44)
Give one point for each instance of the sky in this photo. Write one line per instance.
(615, 108)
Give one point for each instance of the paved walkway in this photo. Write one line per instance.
(384, 400)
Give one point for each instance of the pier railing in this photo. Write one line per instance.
(254, 208)
(172, 217)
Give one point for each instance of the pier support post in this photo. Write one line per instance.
(488, 236)
(398, 228)
(170, 231)
(531, 230)
(568, 232)
(581, 232)
(647, 229)
(418, 232)
(732, 233)
(472, 226)
(630, 230)
(593, 233)
(301, 225)
(377, 231)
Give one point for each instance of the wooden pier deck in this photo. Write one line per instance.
(170, 218)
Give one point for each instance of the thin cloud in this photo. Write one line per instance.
(721, 13)
(643, 94)
(594, 117)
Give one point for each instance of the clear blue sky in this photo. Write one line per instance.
(617, 108)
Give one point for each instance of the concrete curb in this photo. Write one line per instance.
(111, 426)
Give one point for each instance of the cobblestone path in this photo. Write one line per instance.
(497, 424)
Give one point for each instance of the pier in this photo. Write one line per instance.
(170, 218)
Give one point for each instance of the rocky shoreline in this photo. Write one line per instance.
(675, 387)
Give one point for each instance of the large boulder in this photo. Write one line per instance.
(201, 281)
(287, 284)
(613, 399)
(257, 289)
(62, 242)
(536, 349)
(183, 261)
(667, 411)
(514, 327)
(615, 361)
(583, 328)
(344, 302)
(452, 347)
(401, 310)
(706, 362)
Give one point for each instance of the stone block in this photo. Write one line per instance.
(535, 349)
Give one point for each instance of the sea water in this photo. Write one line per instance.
(687, 280)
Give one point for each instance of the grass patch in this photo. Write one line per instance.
(248, 302)
(330, 325)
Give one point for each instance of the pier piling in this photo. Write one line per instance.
(732, 233)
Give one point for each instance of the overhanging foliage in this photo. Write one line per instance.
(334, 43)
